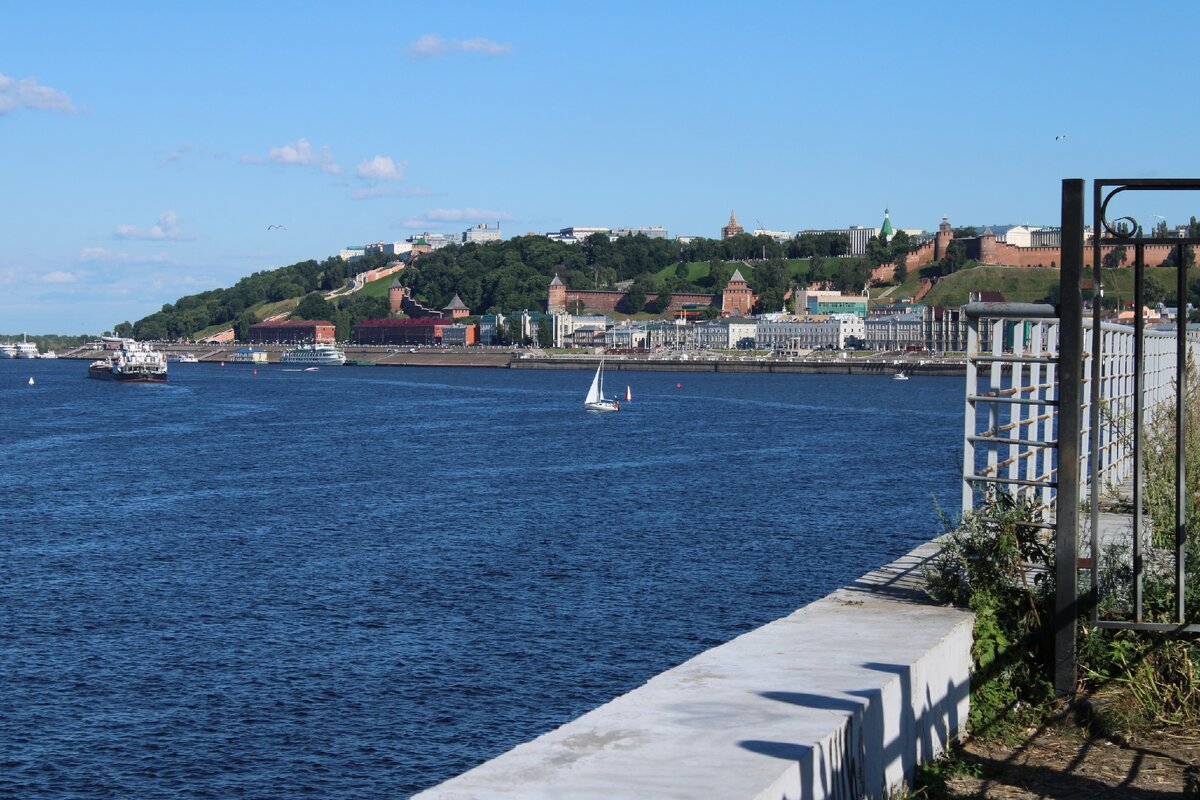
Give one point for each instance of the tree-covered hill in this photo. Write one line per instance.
(514, 274)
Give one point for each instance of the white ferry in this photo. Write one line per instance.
(314, 355)
(8, 350)
(129, 362)
(187, 358)
(26, 349)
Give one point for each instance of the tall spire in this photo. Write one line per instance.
(886, 231)
(732, 219)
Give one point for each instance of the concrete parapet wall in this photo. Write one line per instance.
(841, 699)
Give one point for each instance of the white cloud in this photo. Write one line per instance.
(175, 155)
(166, 229)
(437, 216)
(301, 154)
(428, 46)
(103, 254)
(58, 276)
(381, 168)
(28, 93)
(485, 46)
(433, 46)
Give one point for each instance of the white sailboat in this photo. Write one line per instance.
(595, 397)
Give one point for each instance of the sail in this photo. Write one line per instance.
(593, 394)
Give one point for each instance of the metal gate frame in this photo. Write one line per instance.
(1073, 428)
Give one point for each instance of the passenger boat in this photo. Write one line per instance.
(595, 397)
(8, 350)
(317, 355)
(187, 358)
(26, 349)
(129, 362)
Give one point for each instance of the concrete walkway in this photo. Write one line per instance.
(838, 700)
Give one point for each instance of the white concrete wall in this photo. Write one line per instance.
(841, 699)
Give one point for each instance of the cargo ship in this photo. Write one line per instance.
(129, 362)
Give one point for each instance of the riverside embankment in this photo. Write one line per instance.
(881, 364)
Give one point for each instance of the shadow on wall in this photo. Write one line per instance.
(886, 735)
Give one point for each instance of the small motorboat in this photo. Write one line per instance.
(899, 376)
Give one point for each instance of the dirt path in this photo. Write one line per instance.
(1064, 761)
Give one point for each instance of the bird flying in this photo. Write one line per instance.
(273, 227)
(1060, 137)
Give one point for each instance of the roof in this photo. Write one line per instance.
(456, 304)
(401, 323)
(395, 284)
(886, 228)
(556, 281)
(293, 323)
(737, 276)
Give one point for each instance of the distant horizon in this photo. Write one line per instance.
(150, 164)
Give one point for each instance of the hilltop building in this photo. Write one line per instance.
(732, 229)
(481, 233)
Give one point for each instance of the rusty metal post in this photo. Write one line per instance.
(1070, 393)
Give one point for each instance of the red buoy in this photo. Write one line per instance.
(679, 386)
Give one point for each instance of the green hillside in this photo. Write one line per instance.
(1031, 285)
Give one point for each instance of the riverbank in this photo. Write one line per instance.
(911, 364)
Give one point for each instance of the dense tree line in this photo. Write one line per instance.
(231, 306)
(512, 275)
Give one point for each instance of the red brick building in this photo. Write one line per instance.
(293, 332)
(427, 330)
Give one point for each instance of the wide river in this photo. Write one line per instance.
(358, 582)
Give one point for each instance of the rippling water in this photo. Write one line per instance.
(357, 582)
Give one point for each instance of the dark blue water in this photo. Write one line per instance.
(358, 582)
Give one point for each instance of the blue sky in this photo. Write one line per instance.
(145, 147)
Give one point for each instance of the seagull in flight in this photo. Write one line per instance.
(273, 227)
(1061, 136)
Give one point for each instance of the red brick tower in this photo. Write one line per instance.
(945, 236)
(395, 296)
(737, 298)
(556, 302)
(987, 247)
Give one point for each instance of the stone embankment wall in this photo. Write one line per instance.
(841, 699)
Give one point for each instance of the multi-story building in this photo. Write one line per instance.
(352, 253)
(813, 301)
(565, 325)
(576, 234)
(459, 335)
(434, 241)
(653, 232)
(424, 330)
(481, 233)
(857, 234)
(388, 248)
(783, 237)
(629, 336)
(726, 334)
(293, 332)
(894, 332)
(812, 333)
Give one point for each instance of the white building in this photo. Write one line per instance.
(576, 234)
(481, 233)
(813, 333)
(858, 235)
(653, 232)
(783, 237)
(1018, 236)
(894, 332)
(436, 241)
(388, 248)
(352, 253)
(726, 334)
(566, 325)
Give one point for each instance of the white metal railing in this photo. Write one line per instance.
(1010, 440)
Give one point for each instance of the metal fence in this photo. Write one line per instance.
(1057, 408)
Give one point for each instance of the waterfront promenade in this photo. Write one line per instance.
(912, 364)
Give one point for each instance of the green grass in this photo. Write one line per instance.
(261, 312)
(378, 288)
